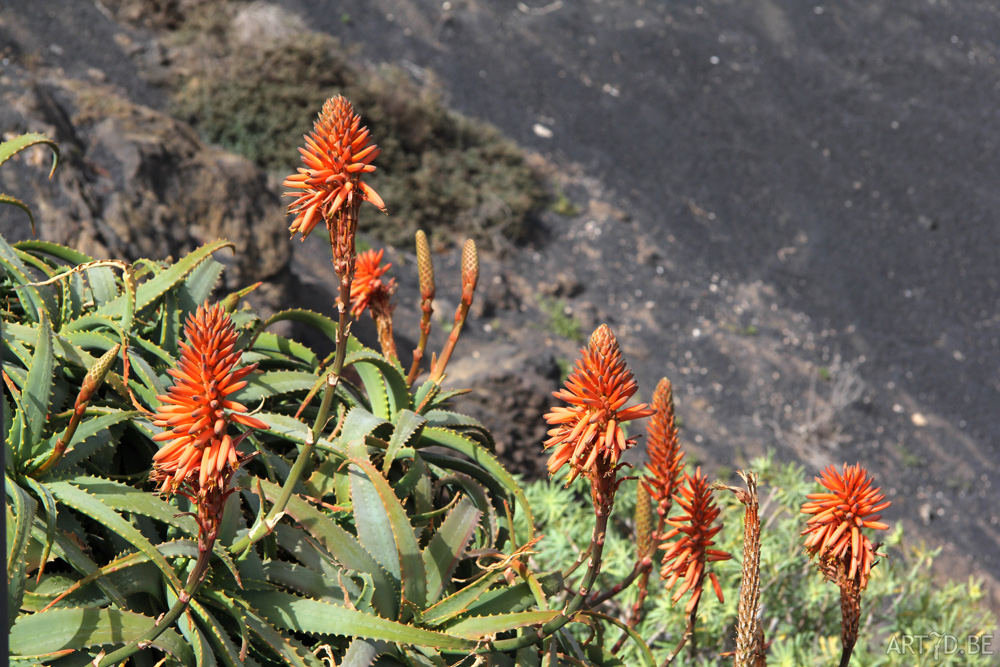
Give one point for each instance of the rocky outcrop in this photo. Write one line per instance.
(134, 182)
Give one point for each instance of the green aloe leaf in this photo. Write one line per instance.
(473, 450)
(124, 498)
(20, 517)
(647, 655)
(514, 598)
(359, 424)
(362, 652)
(342, 546)
(197, 289)
(35, 299)
(401, 553)
(88, 504)
(216, 634)
(12, 147)
(149, 292)
(58, 629)
(384, 382)
(51, 514)
(458, 603)
(65, 548)
(14, 201)
(408, 425)
(477, 494)
(286, 347)
(170, 323)
(478, 627)
(308, 582)
(274, 383)
(313, 617)
(103, 286)
(38, 391)
(460, 422)
(294, 430)
(290, 651)
(65, 253)
(373, 524)
(447, 546)
(92, 434)
(323, 323)
(204, 656)
(117, 571)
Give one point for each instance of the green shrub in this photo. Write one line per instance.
(800, 611)
(438, 170)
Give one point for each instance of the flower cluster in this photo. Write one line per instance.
(587, 434)
(834, 530)
(369, 291)
(368, 288)
(199, 453)
(666, 459)
(336, 154)
(686, 557)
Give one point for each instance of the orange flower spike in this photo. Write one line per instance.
(834, 530)
(685, 559)
(666, 459)
(367, 284)
(587, 433)
(335, 156)
(195, 413)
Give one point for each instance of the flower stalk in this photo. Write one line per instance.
(425, 272)
(328, 187)
(845, 555)
(92, 381)
(470, 276)
(750, 646)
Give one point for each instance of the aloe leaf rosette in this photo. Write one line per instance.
(395, 540)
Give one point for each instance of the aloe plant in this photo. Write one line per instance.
(355, 518)
(393, 538)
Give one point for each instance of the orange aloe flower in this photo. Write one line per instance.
(368, 289)
(666, 460)
(834, 531)
(367, 286)
(587, 434)
(686, 558)
(199, 452)
(336, 154)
